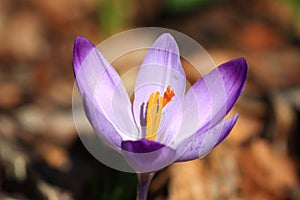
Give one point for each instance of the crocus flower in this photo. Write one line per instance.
(164, 124)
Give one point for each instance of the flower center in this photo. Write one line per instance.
(155, 105)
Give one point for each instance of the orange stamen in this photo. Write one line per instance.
(154, 111)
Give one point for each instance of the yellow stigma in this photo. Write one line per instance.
(155, 105)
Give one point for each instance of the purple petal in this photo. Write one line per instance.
(147, 156)
(104, 129)
(81, 49)
(161, 68)
(141, 146)
(201, 143)
(170, 125)
(101, 86)
(212, 97)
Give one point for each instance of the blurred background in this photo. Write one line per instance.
(41, 156)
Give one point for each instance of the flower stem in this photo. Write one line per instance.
(144, 180)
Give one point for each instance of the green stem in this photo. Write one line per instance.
(144, 180)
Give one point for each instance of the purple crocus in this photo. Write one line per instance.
(164, 124)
